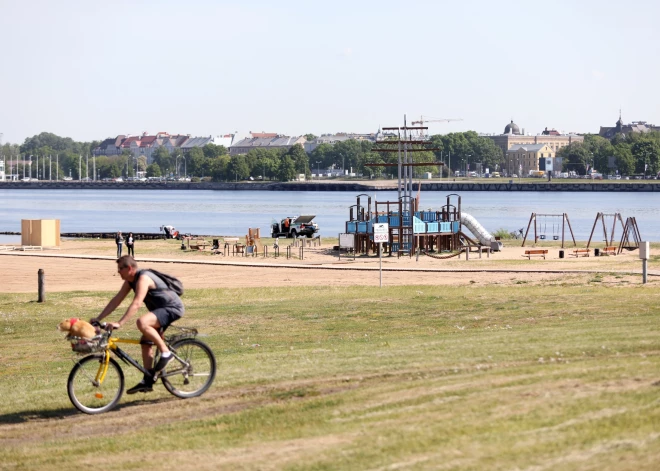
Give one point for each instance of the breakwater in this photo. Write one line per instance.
(359, 186)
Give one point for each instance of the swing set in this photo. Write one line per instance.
(609, 238)
(558, 223)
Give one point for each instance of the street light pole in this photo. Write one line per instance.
(318, 169)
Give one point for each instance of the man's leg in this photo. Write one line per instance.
(148, 324)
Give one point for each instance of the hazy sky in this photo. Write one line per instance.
(92, 69)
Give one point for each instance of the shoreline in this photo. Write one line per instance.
(340, 185)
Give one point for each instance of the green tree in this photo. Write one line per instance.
(624, 160)
(575, 157)
(153, 170)
(164, 160)
(212, 151)
(195, 159)
(646, 153)
(238, 168)
(300, 159)
(287, 169)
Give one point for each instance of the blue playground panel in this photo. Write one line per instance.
(419, 225)
(395, 246)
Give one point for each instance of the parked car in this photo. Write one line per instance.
(294, 227)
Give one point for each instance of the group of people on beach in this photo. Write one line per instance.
(130, 243)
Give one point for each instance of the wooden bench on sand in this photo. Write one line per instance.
(581, 252)
(197, 244)
(539, 252)
(608, 251)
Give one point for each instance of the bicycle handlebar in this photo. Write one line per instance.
(103, 326)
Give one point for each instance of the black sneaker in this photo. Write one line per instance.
(143, 386)
(162, 363)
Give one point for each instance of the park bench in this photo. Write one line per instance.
(608, 251)
(197, 244)
(539, 252)
(581, 252)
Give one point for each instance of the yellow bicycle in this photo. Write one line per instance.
(96, 381)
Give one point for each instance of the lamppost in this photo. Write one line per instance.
(318, 169)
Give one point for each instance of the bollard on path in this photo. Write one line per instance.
(41, 277)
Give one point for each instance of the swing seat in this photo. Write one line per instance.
(542, 236)
(555, 237)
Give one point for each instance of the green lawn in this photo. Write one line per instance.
(557, 377)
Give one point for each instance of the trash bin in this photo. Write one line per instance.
(561, 254)
(596, 252)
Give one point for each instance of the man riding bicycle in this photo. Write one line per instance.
(164, 305)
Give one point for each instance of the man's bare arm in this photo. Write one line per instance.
(114, 302)
(141, 289)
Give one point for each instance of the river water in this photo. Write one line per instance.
(233, 212)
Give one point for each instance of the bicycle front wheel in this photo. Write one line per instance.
(192, 370)
(87, 394)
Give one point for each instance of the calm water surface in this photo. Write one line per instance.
(232, 213)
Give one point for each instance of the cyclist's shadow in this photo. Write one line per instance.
(63, 413)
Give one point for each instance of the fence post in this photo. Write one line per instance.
(41, 277)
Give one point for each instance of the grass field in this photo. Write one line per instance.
(563, 376)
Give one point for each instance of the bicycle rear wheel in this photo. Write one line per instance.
(89, 396)
(192, 373)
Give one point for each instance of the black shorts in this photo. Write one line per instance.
(167, 315)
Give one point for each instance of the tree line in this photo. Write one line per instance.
(632, 154)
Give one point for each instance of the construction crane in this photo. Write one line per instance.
(429, 119)
(423, 120)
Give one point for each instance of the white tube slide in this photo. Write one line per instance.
(483, 236)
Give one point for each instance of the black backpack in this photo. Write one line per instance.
(172, 282)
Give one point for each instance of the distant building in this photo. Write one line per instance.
(145, 145)
(225, 140)
(512, 136)
(274, 142)
(332, 139)
(111, 146)
(625, 129)
(523, 159)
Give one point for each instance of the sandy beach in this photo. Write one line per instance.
(83, 265)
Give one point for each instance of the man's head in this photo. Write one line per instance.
(127, 267)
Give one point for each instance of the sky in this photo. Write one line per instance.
(92, 69)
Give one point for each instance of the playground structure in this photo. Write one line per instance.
(540, 228)
(412, 230)
(609, 237)
(631, 238)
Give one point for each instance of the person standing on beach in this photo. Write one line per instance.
(130, 243)
(119, 240)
